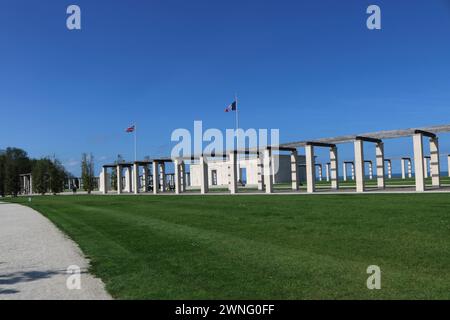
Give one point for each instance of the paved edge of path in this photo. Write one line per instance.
(35, 256)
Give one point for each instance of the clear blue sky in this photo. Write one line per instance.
(310, 68)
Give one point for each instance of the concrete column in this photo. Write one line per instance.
(344, 171)
(310, 169)
(155, 172)
(359, 164)
(389, 168)
(31, 184)
(129, 178)
(162, 177)
(379, 154)
(448, 164)
(119, 179)
(183, 176)
(409, 168)
(268, 181)
(273, 164)
(233, 173)
(319, 166)
(334, 172)
(260, 171)
(327, 172)
(403, 169)
(105, 180)
(146, 178)
(370, 170)
(425, 166)
(294, 170)
(435, 162)
(418, 162)
(204, 187)
(136, 178)
(352, 166)
(178, 173)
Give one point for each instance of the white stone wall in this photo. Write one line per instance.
(282, 176)
(108, 182)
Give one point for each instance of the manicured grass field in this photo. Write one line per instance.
(260, 247)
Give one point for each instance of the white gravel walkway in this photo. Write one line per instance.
(34, 257)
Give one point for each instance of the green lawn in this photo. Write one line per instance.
(260, 247)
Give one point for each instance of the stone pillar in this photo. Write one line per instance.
(403, 169)
(418, 162)
(319, 166)
(162, 176)
(204, 187)
(425, 167)
(327, 172)
(136, 178)
(129, 179)
(409, 168)
(260, 168)
(294, 170)
(31, 184)
(104, 180)
(146, 177)
(183, 176)
(334, 172)
(233, 173)
(359, 164)
(274, 159)
(310, 169)
(379, 154)
(352, 166)
(155, 172)
(178, 173)
(119, 179)
(448, 164)
(435, 162)
(268, 181)
(370, 170)
(344, 170)
(389, 168)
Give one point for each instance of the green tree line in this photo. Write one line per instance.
(48, 174)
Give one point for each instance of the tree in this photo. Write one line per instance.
(13, 161)
(41, 177)
(2, 173)
(48, 175)
(57, 175)
(87, 172)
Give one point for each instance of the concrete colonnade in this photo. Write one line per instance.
(406, 165)
(344, 169)
(419, 163)
(370, 165)
(26, 181)
(359, 162)
(310, 165)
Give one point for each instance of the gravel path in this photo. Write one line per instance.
(35, 256)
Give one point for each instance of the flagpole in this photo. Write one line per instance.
(237, 113)
(237, 138)
(135, 139)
